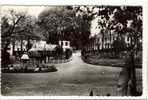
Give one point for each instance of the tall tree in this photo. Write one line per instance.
(123, 21)
(54, 21)
(121, 16)
(65, 23)
(9, 24)
(16, 26)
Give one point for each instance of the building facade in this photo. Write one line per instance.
(65, 44)
(106, 41)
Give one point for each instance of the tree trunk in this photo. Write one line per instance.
(127, 78)
(133, 87)
(103, 41)
(13, 48)
(21, 46)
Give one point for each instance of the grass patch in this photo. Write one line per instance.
(114, 62)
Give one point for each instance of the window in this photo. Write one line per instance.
(66, 43)
(61, 43)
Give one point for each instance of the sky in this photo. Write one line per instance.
(31, 10)
(36, 10)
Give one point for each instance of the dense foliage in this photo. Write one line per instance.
(17, 26)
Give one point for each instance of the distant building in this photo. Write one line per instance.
(42, 45)
(104, 38)
(106, 41)
(65, 44)
(103, 41)
(19, 46)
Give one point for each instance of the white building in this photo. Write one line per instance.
(18, 45)
(37, 45)
(42, 45)
(65, 44)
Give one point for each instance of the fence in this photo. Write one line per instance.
(50, 57)
(57, 61)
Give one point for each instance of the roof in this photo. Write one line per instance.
(47, 47)
(50, 47)
(25, 57)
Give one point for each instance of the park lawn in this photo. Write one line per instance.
(114, 62)
(96, 60)
(75, 78)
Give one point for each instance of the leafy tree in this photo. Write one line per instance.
(119, 23)
(61, 23)
(16, 26)
(116, 19)
(53, 22)
(118, 46)
(8, 28)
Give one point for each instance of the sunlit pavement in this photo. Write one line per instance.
(72, 78)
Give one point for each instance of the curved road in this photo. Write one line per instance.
(72, 78)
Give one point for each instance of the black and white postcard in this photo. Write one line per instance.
(77, 50)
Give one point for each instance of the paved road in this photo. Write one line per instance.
(72, 78)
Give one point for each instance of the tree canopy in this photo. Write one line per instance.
(62, 23)
(16, 26)
(124, 20)
(73, 23)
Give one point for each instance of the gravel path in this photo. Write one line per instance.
(72, 78)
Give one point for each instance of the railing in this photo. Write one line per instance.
(58, 61)
(51, 58)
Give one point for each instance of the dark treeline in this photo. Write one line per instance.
(72, 23)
